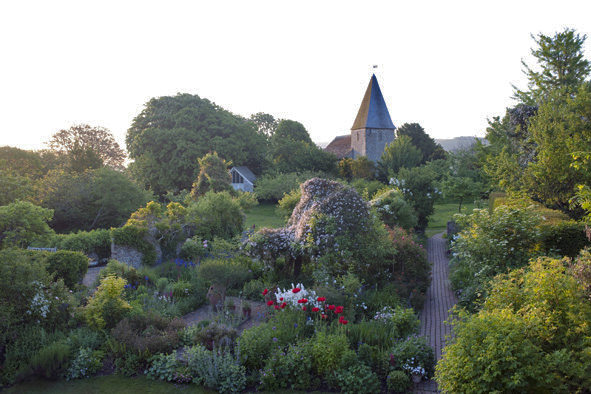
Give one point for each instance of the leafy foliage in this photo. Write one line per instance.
(22, 223)
(107, 306)
(430, 150)
(401, 153)
(216, 215)
(170, 132)
(418, 187)
(69, 266)
(213, 176)
(393, 210)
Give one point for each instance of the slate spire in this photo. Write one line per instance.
(373, 113)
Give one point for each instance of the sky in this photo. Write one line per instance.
(448, 65)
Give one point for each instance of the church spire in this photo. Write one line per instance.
(373, 112)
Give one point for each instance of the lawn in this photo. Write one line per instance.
(112, 384)
(264, 215)
(444, 213)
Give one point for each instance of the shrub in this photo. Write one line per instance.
(88, 242)
(107, 306)
(398, 382)
(251, 290)
(564, 238)
(84, 337)
(69, 266)
(148, 332)
(418, 187)
(51, 361)
(490, 244)
(288, 203)
(217, 369)
(328, 352)
(122, 270)
(531, 335)
(22, 223)
(393, 210)
(413, 348)
(366, 188)
(411, 265)
(86, 364)
(288, 368)
(225, 273)
(255, 344)
(273, 187)
(162, 366)
(193, 249)
(216, 214)
(130, 364)
(216, 335)
(357, 379)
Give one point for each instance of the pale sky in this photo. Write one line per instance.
(447, 65)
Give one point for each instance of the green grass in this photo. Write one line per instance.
(444, 213)
(113, 384)
(264, 215)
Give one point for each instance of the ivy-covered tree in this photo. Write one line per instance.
(171, 133)
(213, 176)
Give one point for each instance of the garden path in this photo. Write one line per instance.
(440, 299)
(91, 276)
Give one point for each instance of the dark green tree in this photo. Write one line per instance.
(430, 150)
(561, 66)
(22, 223)
(171, 133)
(290, 129)
(418, 187)
(401, 153)
(213, 176)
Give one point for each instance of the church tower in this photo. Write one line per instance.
(373, 127)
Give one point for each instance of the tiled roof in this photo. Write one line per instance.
(340, 146)
(373, 112)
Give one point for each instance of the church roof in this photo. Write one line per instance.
(340, 146)
(373, 112)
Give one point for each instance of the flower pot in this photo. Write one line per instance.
(416, 378)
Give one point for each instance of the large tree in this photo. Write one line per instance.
(266, 123)
(171, 133)
(561, 66)
(430, 149)
(401, 153)
(88, 147)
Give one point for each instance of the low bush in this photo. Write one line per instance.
(162, 366)
(51, 361)
(564, 238)
(357, 379)
(122, 270)
(217, 215)
(148, 332)
(86, 363)
(288, 203)
(96, 242)
(273, 187)
(254, 345)
(193, 249)
(398, 382)
(215, 335)
(413, 350)
(218, 369)
(131, 363)
(69, 266)
(107, 306)
(328, 352)
(289, 367)
(411, 266)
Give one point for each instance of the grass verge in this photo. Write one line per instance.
(264, 215)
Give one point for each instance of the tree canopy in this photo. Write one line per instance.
(430, 150)
(172, 132)
(88, 147)
(401, 153)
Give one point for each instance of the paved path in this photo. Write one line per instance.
(91, 276)
(440, 299)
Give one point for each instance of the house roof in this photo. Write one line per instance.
(340, 146)
(246, 173)
(373, 112)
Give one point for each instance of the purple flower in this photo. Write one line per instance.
(274, 339)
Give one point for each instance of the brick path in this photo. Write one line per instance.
(440, 299)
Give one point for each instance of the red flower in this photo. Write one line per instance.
(341, 318)
(269, 303)
(296, 290)
(265, 292)
(281, 299)
(283, 305)
(276, 307)
(304, 308)
(302, 301)
(321, 299)
(331, 307)
(343, 321)
(315, 309)
(324, 316)
(338, 309)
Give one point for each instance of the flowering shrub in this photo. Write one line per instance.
(393, 210)
(490, 244)
(86, 364)
(289, 367)
(413, 352)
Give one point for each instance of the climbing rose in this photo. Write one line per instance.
(296, 290)
(315, 309)
(265, 292)
(321, 299)
(269, 303)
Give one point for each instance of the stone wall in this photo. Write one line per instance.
(127, 255)
(371, 142)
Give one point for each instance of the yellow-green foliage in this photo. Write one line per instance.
(532, 336)
(328, 352)
(107, 306)
(549, 216)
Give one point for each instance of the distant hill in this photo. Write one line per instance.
(459, 143)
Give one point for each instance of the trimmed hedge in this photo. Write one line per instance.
(135, 237)
(88, 242)
(565, 238)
